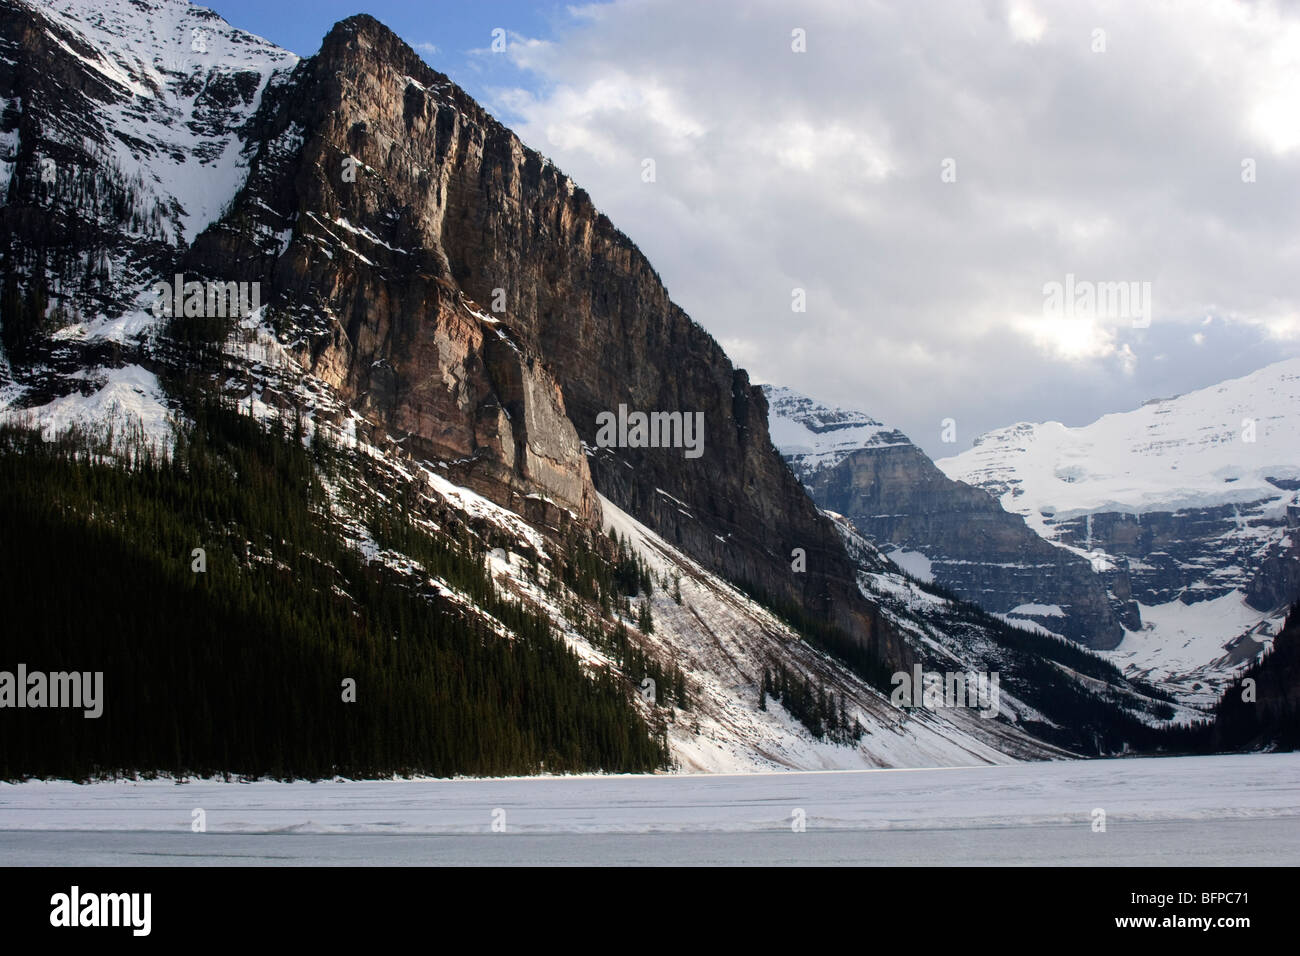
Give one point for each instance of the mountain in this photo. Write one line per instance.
(937, 528)
(135, 116)
(1187, 505)
(362, 166)
(373, 518)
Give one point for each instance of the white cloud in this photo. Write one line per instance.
(1128, 360)
(822, 170)
(1072, 339)
(1027, 26)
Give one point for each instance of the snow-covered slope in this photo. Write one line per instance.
(723, 640)
(129, 398)
(129, 141)
(179, 83)
(1232, 443)
(1188, 503)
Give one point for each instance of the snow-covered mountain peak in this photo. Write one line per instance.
(1234, 442)
(1188, 505)
(174, 83)
(820, 434)
(147, 38)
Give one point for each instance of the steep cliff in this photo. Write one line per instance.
(468, 297)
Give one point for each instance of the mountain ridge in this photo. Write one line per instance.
(939, 528)
(1185, 508)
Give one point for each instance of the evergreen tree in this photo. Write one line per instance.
(238, 670)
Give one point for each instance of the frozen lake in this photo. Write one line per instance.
(1187, 810)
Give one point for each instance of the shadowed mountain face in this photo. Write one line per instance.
(452, 285)
(488, 313)
(1261, 710)
(938, 528)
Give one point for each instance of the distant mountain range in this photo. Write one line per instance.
(1163, 535)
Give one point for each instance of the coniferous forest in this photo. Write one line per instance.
(240, 669)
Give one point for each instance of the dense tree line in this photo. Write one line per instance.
(240, 669)
(23, 308)
(605, 572)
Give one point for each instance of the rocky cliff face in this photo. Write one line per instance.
(471, 298)
(1194, 554)
(464, 295)
(938, 528)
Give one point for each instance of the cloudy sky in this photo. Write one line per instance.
(922, 171)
